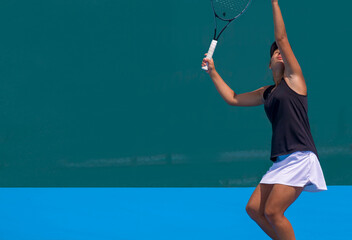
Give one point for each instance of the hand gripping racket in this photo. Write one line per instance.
(225, 11)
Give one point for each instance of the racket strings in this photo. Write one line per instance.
(229, 9)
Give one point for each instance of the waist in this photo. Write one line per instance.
(297, 154)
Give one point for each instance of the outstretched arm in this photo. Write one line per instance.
(293, 70)
(248, 99)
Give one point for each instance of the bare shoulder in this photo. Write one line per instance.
(260, 91)
(263, 91)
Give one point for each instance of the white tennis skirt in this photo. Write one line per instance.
(298, 169)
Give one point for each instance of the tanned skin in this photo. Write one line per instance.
(269, 202)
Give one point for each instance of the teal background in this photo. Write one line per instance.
(110, 93)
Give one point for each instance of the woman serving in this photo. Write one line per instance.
(296, 167)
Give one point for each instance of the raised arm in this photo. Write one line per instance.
(293, 71)
(248, 99)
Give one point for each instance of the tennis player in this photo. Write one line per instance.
(296, 167)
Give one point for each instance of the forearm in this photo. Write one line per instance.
(279, 25)
(225, 91)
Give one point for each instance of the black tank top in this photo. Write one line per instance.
(288, 114)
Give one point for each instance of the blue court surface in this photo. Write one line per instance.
(161, 213)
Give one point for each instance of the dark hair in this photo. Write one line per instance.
(273, 48)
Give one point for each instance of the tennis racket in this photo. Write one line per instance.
(225, 11)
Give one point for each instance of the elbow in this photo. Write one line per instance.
(280, 39)
(232, 101)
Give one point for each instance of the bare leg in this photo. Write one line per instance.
(255, 209)
(280, 198)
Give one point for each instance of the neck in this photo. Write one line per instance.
(277, 77)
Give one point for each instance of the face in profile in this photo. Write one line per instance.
(276, 61)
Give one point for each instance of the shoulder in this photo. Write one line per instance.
(266, 91)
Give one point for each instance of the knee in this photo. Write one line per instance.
(254, 212)
(272, 215)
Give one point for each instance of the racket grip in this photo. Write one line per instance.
(210, 53)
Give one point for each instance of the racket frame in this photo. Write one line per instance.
(216, 37)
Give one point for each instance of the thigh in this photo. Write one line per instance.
(281, 197)
(259, 197)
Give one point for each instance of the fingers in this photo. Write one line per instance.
(206, 61)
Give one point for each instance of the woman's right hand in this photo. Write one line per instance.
(210, 62)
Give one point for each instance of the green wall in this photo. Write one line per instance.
(110, 93)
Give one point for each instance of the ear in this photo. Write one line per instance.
(271, 59)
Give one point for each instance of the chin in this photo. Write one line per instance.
(279, 66)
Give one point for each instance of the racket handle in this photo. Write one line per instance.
(210, 53)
